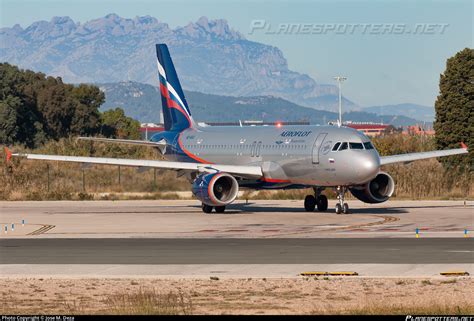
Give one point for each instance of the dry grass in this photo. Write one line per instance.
(433, 308)
(236, 296)
(149, 302)
(28, 180)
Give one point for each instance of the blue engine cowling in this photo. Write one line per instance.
(216, 189)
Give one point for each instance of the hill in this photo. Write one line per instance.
(143, 102)
(422, 113)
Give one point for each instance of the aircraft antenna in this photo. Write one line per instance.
(339, 80)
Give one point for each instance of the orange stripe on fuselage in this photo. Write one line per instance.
(275, 180)
(200, 160)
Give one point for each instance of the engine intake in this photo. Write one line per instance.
(378, 190)
(216, 189)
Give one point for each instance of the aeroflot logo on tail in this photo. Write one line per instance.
(297, 133)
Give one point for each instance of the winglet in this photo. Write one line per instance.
(8, 153)
(463, 146)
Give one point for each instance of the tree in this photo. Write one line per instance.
(35, 108)
(8, 120)
(86, 119)
(56, 107)
(115, 124)
(455, 109)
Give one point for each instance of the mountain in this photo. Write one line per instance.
(143, 102)
(422, 113)
(209, 55)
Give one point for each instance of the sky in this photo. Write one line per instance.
(390, 51)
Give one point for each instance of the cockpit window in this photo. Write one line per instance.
(336, 146)
(368, 145)
(343, 146)
(356, 146)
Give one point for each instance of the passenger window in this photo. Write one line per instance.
(368, 145)
(356, 146)
(336, 146)
(343, 146)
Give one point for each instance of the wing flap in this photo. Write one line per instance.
(404, 158)
(246, 171)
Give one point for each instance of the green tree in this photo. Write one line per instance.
(117, 125)
(86, 119)
(35, 108)
(455, 109)
(8, 120)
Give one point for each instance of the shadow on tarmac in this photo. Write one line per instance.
(250, 208)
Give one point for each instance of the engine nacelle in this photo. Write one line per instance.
(216, 189)
(377, 190)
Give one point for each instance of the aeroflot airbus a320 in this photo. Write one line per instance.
(220, 160)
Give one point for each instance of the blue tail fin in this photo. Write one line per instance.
(177, 116)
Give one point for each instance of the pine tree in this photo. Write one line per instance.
(455, 109)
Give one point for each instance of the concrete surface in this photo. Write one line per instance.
(258, 219)
(148, 239)
(237, 251)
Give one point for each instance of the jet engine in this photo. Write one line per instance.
(216, 189)
(377, 190)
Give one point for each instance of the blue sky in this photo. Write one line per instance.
(382, 67)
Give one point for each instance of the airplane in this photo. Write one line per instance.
(218, 161)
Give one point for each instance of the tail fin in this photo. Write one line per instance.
(176, 113)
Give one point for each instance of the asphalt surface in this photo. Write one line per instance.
(237, 251)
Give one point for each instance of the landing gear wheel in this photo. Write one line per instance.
(322, 203)
(207, 208)
(338, 208)
(309, 203)
(345, 208)
(220, 209)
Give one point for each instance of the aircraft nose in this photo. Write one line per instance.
(369, 166)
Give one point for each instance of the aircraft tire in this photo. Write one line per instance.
(309, 203)
(322, 203)
(345, 208)
(220, 209)
(207, 208)
(338, 208)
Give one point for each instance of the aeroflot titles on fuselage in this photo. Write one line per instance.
(297, 133)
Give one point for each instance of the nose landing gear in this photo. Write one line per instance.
(341, 207)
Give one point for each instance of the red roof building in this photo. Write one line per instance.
(148, 130)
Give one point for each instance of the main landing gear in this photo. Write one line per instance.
(318, 200)
(341, 207)
(208, 208)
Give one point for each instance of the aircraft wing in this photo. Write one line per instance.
(244, 171)
(405, 158)
(121, 141)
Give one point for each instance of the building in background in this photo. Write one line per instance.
(371, 129)
(419, 130)
(147, 130)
